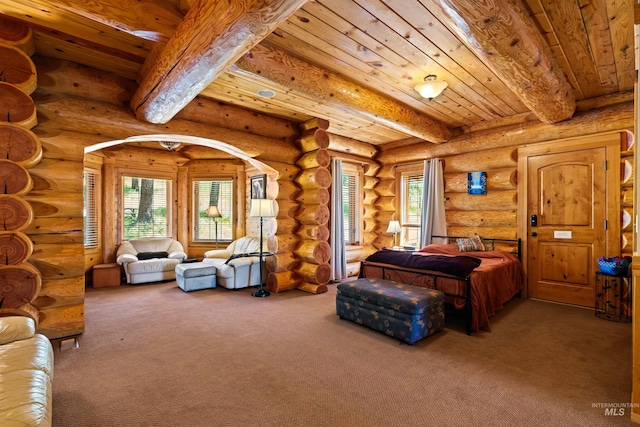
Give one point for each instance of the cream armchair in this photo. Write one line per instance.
(150, 259)
(235, 269)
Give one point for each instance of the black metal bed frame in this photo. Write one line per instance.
(429, 279)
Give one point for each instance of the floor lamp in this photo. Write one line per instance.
(213, 212)
(394, 227)
(262, 208)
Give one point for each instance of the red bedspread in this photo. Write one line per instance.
(498, 279)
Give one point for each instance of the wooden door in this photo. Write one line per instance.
(572, 191)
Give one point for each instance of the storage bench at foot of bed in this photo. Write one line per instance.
(408, 313)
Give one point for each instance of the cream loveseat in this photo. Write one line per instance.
(150, 259)
(234, 268)
(26, 374)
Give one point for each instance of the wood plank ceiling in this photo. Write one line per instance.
(356, 62)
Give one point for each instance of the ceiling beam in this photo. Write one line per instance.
(506, 39)
(212, 36)
(331, 89)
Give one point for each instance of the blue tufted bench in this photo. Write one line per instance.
(408, 313)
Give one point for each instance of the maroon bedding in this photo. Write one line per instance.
(497, 279)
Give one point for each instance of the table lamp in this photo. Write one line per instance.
(394, 227)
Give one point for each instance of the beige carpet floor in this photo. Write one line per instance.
(153, 355)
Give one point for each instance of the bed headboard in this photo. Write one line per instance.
(513, 246)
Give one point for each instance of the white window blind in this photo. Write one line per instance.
(411, 208)
(218, 193)
(352, 202)
(146, 207)
(90, 213)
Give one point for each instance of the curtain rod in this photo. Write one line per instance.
(415, 163)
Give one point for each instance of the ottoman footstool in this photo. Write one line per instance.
(195, 276)
(408, 313)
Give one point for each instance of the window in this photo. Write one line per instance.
(90, 212)
(410, 207)
(146, 207)
(352, 202)
(213, 193)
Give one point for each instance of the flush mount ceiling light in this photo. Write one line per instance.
(170, 145)
(266, 93)
(430, 87)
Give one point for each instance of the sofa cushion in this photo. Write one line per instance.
(151, 244)
(151, 255)
(26, 398)
(27, 354)
(14, 328)
(246, 245)
(153, 265)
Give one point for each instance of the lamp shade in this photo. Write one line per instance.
(394, 227)
(262, 208)
(430, 87)
(213, 212)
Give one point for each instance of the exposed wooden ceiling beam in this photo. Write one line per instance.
(212, 36)
(331, 89)
(500, 33)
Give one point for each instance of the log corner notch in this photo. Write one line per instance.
(506, 39)
(212, 36)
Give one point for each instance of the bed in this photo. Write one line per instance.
(477, 282)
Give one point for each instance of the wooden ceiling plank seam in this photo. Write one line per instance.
(620, 16)
(410, 74)
(594, 14)
(564, 65)
(568, 25)
(430, 29)
(455, 73)
(330, 49)
(36, 15)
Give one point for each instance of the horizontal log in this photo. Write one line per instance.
(282, 226)
(57, 175)
(353, 269)
(63, 144)
(386, 187)
(388, 171)
(370, 197)
(488, 232)
(357, 253)
(314, 123)
(481, 218)
(62, 321)
(313, 215)
(351, 146)
(44, 203)
(282, 281)
(115, 123)
(15, 213)
(314, 159)
(311, 141)
(54, 225)
(17, 34)
(286, 171)
(369, 182)
(282, 262)
(287, 190)
(20, 284)
(19, 145)
(625, 220)
(16, 107)
(15, 247)
(283, 243)
(17, 68)
(57, 238)
(383, 217)
(314, 196)
(505, 200)
(312, 288)
(500, 179)
(315, 273)
(314, 252)
(14, 179)
(386, 203)
(606, 119)
(60, 293)
(369, 224)
(313, 232)
(495, 158)
(314, 178)
(369, 211)
(59, 261)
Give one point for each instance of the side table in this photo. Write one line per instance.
(613, 297)
(106, 275)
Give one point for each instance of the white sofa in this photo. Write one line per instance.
(235, 270)
(150, 259)
(26, 374)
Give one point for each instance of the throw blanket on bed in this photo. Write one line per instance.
(461, 265)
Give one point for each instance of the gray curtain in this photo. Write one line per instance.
(338, 250)
(433, 221)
